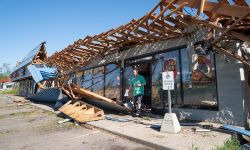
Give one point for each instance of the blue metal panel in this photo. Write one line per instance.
(49, 95)
(28, 58)
(40, 74)
(47, 75)
(237, 130)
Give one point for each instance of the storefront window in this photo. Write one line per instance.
(168, 61)
(86, 82)
(128, 74)
(78, 77)
(98, 80)
(157, 91)
(195, 79)
(112, 81)
(199, 80)
(31, 86)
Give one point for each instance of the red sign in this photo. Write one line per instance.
(170, 65)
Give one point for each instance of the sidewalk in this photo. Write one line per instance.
(141, 133)
(138, 130)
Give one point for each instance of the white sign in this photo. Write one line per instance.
(168, 80)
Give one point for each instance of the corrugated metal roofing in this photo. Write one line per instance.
(28, 58)
(42, 73)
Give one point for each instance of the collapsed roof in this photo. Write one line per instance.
(168, 19)
(36, 56)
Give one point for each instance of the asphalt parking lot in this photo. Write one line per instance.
(27, 127)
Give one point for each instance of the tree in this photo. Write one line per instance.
(5, 70)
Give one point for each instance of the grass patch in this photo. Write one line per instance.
(194, 147)
(230, 144)
(12, 92)
(23, 114)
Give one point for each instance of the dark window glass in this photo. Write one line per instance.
(112, 81)
(98, 80)
(128, 74)
(168, 61)
(199, 80)
(78, 78)
(157, 91)
(86, 82)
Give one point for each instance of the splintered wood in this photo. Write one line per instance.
(88, 94)
(82, 112)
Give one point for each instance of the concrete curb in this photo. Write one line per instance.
(143, 142)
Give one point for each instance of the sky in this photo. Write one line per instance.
(24, 24)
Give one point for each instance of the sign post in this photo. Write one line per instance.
(168, 84)
(170, 123)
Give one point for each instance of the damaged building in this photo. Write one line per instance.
(206, 48)
(21, 75)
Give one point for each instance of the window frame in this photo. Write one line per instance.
(104, 65)
(179, 48)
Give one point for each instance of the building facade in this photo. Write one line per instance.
(204, 89)
(21, 74)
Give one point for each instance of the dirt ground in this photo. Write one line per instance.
(26, 127)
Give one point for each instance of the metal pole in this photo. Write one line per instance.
(169, 102)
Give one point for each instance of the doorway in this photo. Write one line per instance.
(144, 68)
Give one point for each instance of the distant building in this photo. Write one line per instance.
(6, 84)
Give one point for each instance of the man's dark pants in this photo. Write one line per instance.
(137, 103)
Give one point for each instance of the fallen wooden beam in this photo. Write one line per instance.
(86, 93)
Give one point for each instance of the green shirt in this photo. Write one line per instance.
(134, 81)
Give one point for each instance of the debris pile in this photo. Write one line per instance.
(82, 112)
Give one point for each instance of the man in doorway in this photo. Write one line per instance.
(137, 83)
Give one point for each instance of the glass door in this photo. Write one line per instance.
(168, 61)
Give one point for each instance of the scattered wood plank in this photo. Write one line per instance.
(82, 112)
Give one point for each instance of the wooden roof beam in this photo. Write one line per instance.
(80, 54)
(211, 25)
(87, 50)
(231, 27)
(180, 7)
(221, 8)
(94, 47)
(148, 15)
(231, 54)
(163, 11)
(161, 22)
(241, 2)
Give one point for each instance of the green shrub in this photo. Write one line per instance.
(230, 144)
(13, 92)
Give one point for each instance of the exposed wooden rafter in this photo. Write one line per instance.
(168, 19)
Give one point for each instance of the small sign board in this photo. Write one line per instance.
(168, 80)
